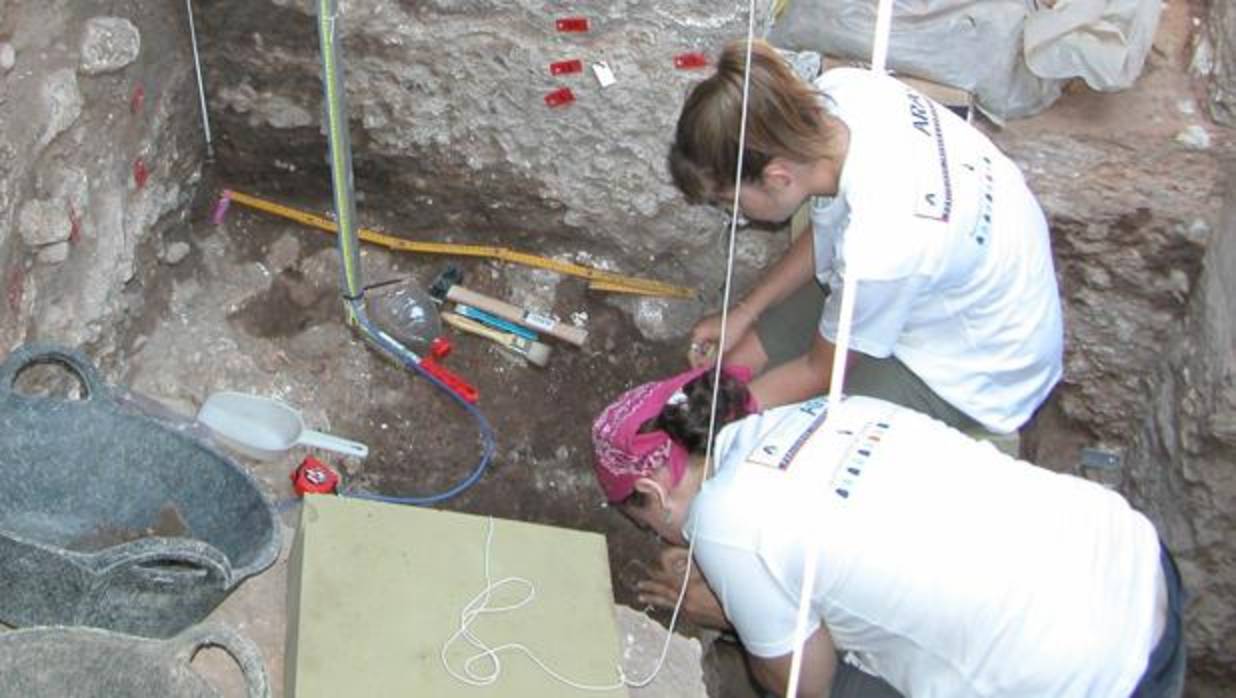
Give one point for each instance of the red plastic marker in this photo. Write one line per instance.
(560, 97)
(566, 67)
(572, 24)
(689, 61)
(314, 477)
(15, 288)
(137, 99)
(140, 173)
(75, 226)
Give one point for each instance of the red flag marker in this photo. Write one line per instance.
(560, 97)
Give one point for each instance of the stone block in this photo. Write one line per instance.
(682, 674)
(54, 253)
(44, 222)
(108, 44)
(62, 104)
(8, 56)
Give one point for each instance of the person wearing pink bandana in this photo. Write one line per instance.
(946, 568)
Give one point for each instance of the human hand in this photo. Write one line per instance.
(706, 335)
(664, 583)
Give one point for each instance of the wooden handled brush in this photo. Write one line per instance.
(535, 352)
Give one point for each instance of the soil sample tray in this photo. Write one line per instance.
(376, 590)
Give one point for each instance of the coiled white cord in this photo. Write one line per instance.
(479, 605)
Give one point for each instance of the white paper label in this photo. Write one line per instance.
(540, 322)
(605, 76)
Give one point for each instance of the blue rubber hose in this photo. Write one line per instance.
(354, 291)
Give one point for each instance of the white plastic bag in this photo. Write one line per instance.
(977, 45)
(1104, 42)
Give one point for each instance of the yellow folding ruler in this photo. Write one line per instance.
(597, 279)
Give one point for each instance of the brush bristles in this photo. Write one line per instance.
(538, 353)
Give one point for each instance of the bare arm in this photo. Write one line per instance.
(806, 377)
(818, 667)
(794, 269)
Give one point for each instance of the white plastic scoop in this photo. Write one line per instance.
(265, 428)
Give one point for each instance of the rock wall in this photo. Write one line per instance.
(1182, 461)
(1143, 218)
(97, 146)
(450, 129)
(1215, 57)
(1128, 255)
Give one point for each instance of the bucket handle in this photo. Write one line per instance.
(30, 354)
(195, 554)
(242, 650)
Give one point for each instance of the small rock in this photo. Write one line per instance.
(8, 56)
(1198, 231)
(54, 253)
(63, 103)
(562, 453)
(1194, 137)
(1186, 106)
(176, 252)
(108, 44)
(44, 223)
(1203, 61)
(283, 253)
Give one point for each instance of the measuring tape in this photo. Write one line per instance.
(598, 280)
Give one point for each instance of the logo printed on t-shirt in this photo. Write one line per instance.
(982, 227)
(855, 460)
(774, 451)
(935, 191)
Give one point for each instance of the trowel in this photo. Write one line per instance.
(265, 428)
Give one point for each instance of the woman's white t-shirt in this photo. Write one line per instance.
(945, 567)
(950, 247)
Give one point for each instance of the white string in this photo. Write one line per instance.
(841, 351)
(479, 605)
(725, 313)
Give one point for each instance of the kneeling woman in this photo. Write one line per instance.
(945, 567)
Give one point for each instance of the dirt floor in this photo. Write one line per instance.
(255, 307)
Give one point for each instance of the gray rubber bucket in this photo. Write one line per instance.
(92, 663)
(112, 519)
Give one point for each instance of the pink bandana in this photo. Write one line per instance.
(623, 454)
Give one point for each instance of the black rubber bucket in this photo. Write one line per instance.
(92, 663)
(113, 519)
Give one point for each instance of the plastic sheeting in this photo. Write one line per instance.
(1014, 55)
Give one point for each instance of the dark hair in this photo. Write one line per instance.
(784, 119)
(687, 422)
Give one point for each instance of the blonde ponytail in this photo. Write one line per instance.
(784, 119)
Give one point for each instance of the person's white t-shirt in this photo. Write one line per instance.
(945, 567)
(950, 247)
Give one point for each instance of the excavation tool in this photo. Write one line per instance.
(446, 288)
(494, 321)
(598, 280)
(534, 352)
(265, 428)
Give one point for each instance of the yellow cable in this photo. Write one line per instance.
(598, 280)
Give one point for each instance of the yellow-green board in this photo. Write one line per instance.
(375, 590)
